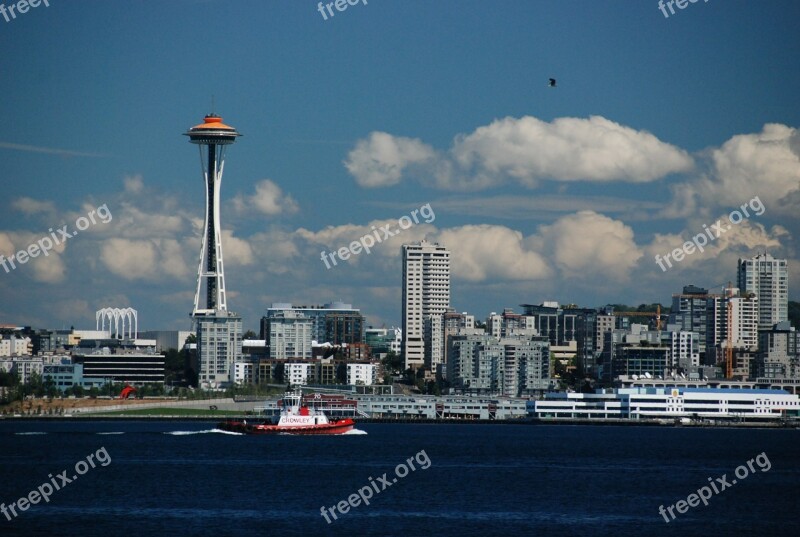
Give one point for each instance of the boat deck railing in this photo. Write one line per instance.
(331, 412)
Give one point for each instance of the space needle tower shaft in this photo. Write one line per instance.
(211, 136)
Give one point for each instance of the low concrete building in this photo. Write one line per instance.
(131, 368)
(362, 374)
(24, 367)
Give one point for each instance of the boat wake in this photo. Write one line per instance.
(355, 431)
(207, 431)
(31, 433)
(113, 432)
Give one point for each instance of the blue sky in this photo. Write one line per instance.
(657, 127)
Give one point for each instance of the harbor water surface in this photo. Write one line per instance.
(187, 479)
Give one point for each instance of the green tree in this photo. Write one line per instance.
(409, 376)
(192, 378)
(49, 388)
(278, 372)
(174, 366)
(250, 335)
(36, 385)
(433, 388)
(794, 313)
(392, 362)
(341, 373)
(189, 375)
(8, 378)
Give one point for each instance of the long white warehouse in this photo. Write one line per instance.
(635, 403)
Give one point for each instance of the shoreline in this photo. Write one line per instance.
(519, 421)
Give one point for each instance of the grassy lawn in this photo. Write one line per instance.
(172, 412)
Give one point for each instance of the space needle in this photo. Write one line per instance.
(218, 331)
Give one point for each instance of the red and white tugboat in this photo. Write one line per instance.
(295, 418)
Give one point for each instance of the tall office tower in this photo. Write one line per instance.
(219, 332)
(586, 335)
(689, 312)
(768, 279)
(344, 328)
(434, 341)
(426, 292)
(605, 324)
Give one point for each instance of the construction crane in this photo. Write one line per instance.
(728, 344)
(656, 314)
(709, 288)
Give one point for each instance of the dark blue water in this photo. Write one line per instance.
(483, 480)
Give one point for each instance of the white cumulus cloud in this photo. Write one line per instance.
(268, 199)
(587, 243)
(381, 159)
(30, 206)
(150, 260)
(524, 150)
(764, 164)
(487, 252)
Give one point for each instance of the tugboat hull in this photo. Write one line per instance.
(335, 427)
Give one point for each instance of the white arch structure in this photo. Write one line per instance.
(117, 316)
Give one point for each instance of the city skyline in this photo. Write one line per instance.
(429, 213)
(530, 205)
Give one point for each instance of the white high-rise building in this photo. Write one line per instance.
(683, 346)
(768, 279)
(289, 335)
(743, 320)
(219, 346)
(426, 291)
